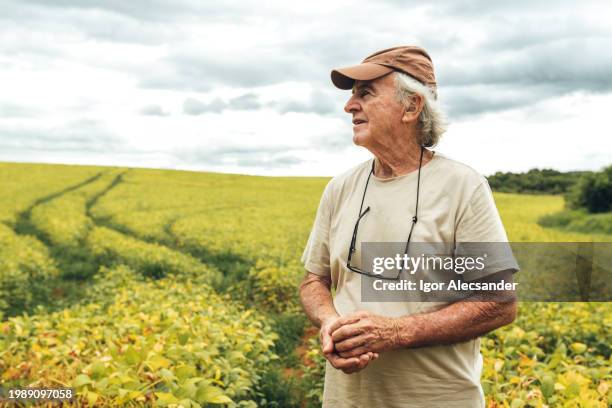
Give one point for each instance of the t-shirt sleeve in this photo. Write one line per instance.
(316, 254)
(481, 226)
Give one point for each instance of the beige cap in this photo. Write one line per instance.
(411, 60)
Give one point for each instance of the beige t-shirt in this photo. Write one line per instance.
(455, 205)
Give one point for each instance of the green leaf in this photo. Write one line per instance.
(212, 395)
(165, 398)
(185, 371)
(166, 375)
(517, 403)
(98, 369)
(81, 380)
(187, 390)
(131, 356)
(183, 338)
(548, 386)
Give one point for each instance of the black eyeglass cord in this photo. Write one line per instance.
(361, 214)
(416, 207)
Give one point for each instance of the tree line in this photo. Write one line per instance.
(587, 190)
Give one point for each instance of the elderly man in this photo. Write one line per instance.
(400, 354)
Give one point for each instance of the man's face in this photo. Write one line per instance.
(377, 114)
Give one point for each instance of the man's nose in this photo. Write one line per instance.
(352, 105)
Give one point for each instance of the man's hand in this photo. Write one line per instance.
(352, 364)
(315, 295)
(362, 332)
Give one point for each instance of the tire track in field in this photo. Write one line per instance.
(54, 297)
(94, 199)
(107, 223)
(228, 263)
(24, 226)
(233, 266)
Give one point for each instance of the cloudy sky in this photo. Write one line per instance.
(242, 86)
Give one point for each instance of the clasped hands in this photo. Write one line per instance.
(351, 342)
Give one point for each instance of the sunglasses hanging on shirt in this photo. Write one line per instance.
(361, 214)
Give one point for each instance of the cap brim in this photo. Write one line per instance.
(344, 78)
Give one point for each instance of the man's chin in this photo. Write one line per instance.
(359, 140)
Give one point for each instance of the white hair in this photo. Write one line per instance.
(432, 122)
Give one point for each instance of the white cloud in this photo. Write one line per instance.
(243, 88)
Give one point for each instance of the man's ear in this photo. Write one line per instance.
(414, 109)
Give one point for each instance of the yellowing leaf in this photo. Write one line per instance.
(158, 362)
(578, 348)
(602, 389)
(92, 397)
(211, 394)
(166, 398)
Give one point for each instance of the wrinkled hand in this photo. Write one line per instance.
(350, 365)
(362, 332)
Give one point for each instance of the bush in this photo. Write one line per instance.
(274, 288)
(535, 181)
(592, 192)
(561, 219)
(25, 269)
(579, 221)
(155, 343)
(314, 373)
(594, 223)
(152, 260)
(555, 354)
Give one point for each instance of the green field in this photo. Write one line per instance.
(157, 287)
